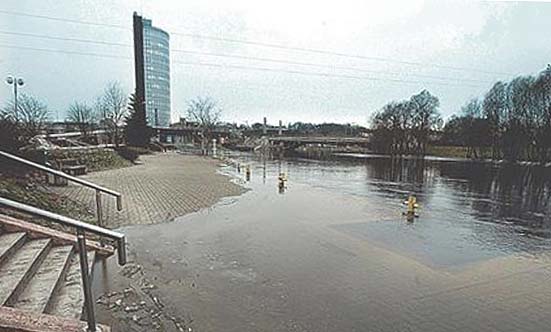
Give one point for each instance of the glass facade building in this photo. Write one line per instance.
(157, 75)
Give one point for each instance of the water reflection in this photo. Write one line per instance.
(473, 207)
(397, 170)
(505, 193)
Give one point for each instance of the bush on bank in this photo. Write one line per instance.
(94, 160)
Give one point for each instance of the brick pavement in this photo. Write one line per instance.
(163, 187)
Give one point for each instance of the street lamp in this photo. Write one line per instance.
(12, 80)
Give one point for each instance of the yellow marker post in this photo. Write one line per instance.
(411, 207)
(412, 204)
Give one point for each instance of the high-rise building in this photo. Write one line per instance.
(155, 74)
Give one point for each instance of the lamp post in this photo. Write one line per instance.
(12, 80)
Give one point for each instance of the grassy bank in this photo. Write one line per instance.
(457, 152)
(448, 151)
(95, 160)
(37, 195)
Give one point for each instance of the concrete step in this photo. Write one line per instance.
(9, 243)
(47, 279)
(15, 320)
(40, 279)
(20, 267)
(68, 302)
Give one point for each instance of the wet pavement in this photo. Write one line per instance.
(163, 186)
(324, 256)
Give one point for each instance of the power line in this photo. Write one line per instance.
(59, 19)
(80, 40)
(273, 60)
(27, 48)
(333, 53)
(264, 44)
(325, 66)
(264, 69)
(315, 73)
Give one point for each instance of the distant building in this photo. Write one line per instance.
(184, 123)
(155, 75)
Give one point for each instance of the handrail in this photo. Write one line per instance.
(99, 189)
(61, 174)
(81, 228)
(66, 221)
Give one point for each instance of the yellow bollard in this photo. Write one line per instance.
(411, 207)
(412, 204)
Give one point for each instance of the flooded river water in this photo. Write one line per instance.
(468, 210)
(332, 252)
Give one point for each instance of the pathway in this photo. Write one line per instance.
(163, 187)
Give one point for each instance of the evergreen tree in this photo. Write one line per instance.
(137, 132)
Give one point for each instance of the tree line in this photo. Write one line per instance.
(511, 122)
(405, 127)
(120, 115)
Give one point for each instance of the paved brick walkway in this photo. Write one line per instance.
(165, 186)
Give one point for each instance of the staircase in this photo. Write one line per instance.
(44, 273)
(40, 276)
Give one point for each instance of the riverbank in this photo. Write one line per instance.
(23, 184)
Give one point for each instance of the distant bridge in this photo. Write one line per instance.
(300, 140)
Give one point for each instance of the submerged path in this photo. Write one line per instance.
(162, 187)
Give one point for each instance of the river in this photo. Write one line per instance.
(333, 252)
(468, 210)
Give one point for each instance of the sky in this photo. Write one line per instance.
(361, 54)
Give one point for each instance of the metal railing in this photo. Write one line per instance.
(97, 188)
(82, 228)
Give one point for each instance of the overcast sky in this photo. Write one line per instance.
(399, 44)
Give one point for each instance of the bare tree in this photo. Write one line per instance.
(83, 115)
(514, 118)
(405, 127)
(494, 106)
(30, 116)
(111, 106)
(100, 110)
(205, 112)
(426, 118)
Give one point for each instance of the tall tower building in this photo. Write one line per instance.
(154, 60)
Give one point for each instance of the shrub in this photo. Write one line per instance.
(132, 153)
